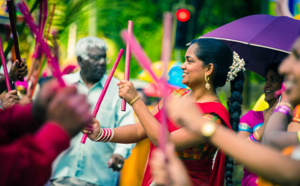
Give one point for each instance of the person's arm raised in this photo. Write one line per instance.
(182, 138)
(259, 159)
(147, 127)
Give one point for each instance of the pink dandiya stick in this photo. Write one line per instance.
(167, 37)
(42, 56)
(165, 57)
(4, 67)
(96, 109)
(139, 54)
(53, 61)
(163, 87)
(33, 64)
(43, 14)
(127, 62)
(163, 132)
(145, 62)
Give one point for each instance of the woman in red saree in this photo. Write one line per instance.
(206, 67)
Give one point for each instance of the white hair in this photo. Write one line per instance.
(84, 44)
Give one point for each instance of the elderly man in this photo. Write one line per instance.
(86, 164)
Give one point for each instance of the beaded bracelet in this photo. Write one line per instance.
(255, 134)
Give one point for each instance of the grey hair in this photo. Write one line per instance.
(84, 44)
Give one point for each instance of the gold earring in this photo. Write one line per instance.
(207, 85)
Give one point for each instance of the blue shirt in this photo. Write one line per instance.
(88, 162)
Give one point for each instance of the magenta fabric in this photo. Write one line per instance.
(200, 171)
(27, 154)
(254, 119)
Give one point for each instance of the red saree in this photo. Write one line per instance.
(200, 171)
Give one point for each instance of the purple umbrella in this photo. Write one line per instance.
(260, 39)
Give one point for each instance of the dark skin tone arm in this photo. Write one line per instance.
(16, 72)
(2, 84)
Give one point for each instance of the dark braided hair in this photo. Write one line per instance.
(219, 54)
(234, 107)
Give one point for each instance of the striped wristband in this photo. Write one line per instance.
(105, 135)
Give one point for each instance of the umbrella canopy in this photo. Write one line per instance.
(260, 39)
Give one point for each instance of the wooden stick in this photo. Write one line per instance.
(20, 29)
(10, 7)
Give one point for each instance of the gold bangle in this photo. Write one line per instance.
(134, 100)
(249, 139)
(256, 135)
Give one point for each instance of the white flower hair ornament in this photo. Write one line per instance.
(238, 64)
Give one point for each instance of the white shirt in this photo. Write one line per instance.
(88, 162)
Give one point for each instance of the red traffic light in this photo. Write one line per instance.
(183, 15)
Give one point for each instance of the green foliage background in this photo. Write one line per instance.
(112, 16)
(106, 19)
